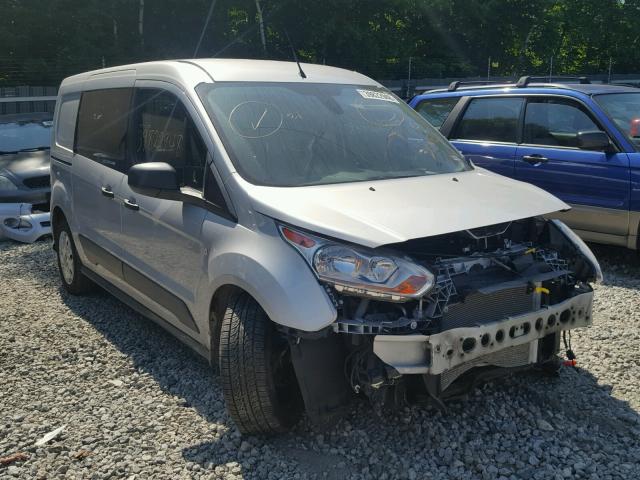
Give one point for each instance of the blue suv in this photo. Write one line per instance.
(579, 141)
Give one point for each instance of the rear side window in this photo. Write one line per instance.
(102, 126)
(66, 122)
(490, 119)
(436, 110)
(164, 132)
(555, 122)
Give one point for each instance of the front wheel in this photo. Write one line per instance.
(69, 266)
(258, 380)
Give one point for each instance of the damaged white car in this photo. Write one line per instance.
(23, 223)
(24, 176)
(308, 233)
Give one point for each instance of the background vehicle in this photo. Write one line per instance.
(308, 232)
(25, 175)
(576, 140)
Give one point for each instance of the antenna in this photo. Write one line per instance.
(204, 27)
(295, 55)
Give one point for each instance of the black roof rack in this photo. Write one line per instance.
(527, 79)
(453, 86)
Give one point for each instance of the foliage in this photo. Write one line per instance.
(42, 41)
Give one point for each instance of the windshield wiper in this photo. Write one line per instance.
(24, 150)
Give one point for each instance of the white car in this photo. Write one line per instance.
(308, 233)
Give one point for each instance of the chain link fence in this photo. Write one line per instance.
(26, 99)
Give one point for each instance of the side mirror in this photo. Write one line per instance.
(155, 179)
(595, 140)
(634, 130)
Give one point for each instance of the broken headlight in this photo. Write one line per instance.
(360, 271)
(582, 248)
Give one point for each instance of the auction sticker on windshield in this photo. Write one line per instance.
(375, 95)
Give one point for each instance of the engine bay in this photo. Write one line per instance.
(503, 298)
(484, 274)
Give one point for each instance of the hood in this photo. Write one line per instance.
(375, 213)
(26, 164)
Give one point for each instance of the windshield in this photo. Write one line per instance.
(294, 134)
(624, 109)
(24, 134)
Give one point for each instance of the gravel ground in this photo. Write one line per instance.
(136, 404)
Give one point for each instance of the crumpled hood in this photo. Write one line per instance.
(27, 164)
(375, 213)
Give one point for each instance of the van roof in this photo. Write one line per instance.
(225, 69)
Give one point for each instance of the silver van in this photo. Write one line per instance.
(308, 233)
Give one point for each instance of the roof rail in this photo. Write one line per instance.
(527, 79)
(453, 86)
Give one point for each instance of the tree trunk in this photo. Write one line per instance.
(261, 23)
(115, 31)
(141, 23)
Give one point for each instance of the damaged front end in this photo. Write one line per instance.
(23, 222)
(426, 318)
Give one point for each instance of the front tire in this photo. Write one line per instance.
(258, 380)
(69, 265)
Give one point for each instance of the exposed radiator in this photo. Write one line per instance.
(479, 309)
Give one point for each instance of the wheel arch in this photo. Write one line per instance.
(219, 301)
(57, 217)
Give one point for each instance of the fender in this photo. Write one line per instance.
(60, 195)
(271, 271)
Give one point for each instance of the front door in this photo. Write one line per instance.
(164, 257)
(595, 183)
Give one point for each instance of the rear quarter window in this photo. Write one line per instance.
(490, 119)
(66, 121)
(437, 110)
(102, 126)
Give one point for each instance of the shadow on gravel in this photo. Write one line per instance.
(176, 368)
(182, 373)
(572, 402)
(571, 410)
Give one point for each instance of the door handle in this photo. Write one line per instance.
(535, 159)
(130, 204)
(106, 191)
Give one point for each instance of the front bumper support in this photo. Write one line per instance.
(435, 354)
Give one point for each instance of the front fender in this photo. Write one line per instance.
(261, 263)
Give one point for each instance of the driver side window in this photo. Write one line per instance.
(164, 132)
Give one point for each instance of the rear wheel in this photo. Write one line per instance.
(258, 380)
(69, 265)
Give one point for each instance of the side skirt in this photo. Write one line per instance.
(145, 312)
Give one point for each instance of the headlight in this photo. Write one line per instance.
(6, 184)
(582, 247)
(360, 271)
(17, 223)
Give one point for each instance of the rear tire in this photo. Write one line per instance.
(258, 380)
(69, 265)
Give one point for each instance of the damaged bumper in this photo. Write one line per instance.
(19, 222)
(482, 345)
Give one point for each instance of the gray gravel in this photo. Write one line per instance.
(136, 404)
